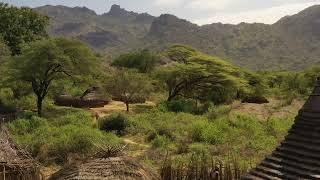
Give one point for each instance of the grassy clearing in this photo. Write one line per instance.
(181, 134)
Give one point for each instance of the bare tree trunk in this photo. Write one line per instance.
(127, 105)
(39, 105)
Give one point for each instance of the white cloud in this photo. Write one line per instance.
(167, 2)
(267, 15)
(208, 4)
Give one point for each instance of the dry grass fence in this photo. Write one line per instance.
(204, 169)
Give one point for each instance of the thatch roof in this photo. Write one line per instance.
(16, 163)
(91, 98)
(298, 155)
(115, 168)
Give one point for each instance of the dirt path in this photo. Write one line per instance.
(118, 107)
(136, 149)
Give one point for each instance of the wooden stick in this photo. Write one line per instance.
(4, 172)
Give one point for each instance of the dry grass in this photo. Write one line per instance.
(118, 107)
(275, 108)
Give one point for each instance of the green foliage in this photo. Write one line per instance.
(161, 142)
(54, 139)
(4, 50)
(187, 106)
(201, 77)
(114, 122)
(228, 133)
(21, 25)
(215, 112)
(44, 62)
(142, 60)
(129, 87)
(180, 53)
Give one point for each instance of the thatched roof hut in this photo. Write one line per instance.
(15, 164)
(298, 156)
(115, 168)
(91, 98)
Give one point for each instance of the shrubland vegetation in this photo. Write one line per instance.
(193, 114)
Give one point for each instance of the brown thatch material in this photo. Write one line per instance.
(91, 98)
(115, 168)
(15, 164)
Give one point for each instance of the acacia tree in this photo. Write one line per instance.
(196, 78)
(45, 61)
(21, 25)
(129, 87)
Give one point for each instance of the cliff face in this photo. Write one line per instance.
(291, 43)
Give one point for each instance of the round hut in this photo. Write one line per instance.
(115, 168)
(16, 164)
(298, 156)
(91, 98)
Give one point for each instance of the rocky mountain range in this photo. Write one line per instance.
(292, 43)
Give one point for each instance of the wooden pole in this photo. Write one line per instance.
(4, 172)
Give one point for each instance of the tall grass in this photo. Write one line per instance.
(204, 168)
(54, 139)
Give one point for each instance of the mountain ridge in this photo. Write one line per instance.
(290, 43)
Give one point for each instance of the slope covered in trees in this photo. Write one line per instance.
(291, 43)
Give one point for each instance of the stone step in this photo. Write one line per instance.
(315, 122)
(307, 123)
(293, 171)
(306, 132)
(309, 115)
(302, 139)
(251, 177)
(263, 175)
(298, 152)
(302, 146)
(297, 159)
(275, 173)
(292, 164)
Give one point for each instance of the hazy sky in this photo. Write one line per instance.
(197, 11)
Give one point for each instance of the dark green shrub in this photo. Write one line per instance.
(161, 142)
(182, 105)
(222, 95)
(53, 140)
(115, 122)
(162, 131)
(215, 112)
(143, 60)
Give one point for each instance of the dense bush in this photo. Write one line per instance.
(161, 142)
(143, 60)
(114, 122)
(234, 133)
(54, 139)
(182, 105)
(217, 111)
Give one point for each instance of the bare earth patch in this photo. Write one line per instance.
(118, 107)
(275, 108)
